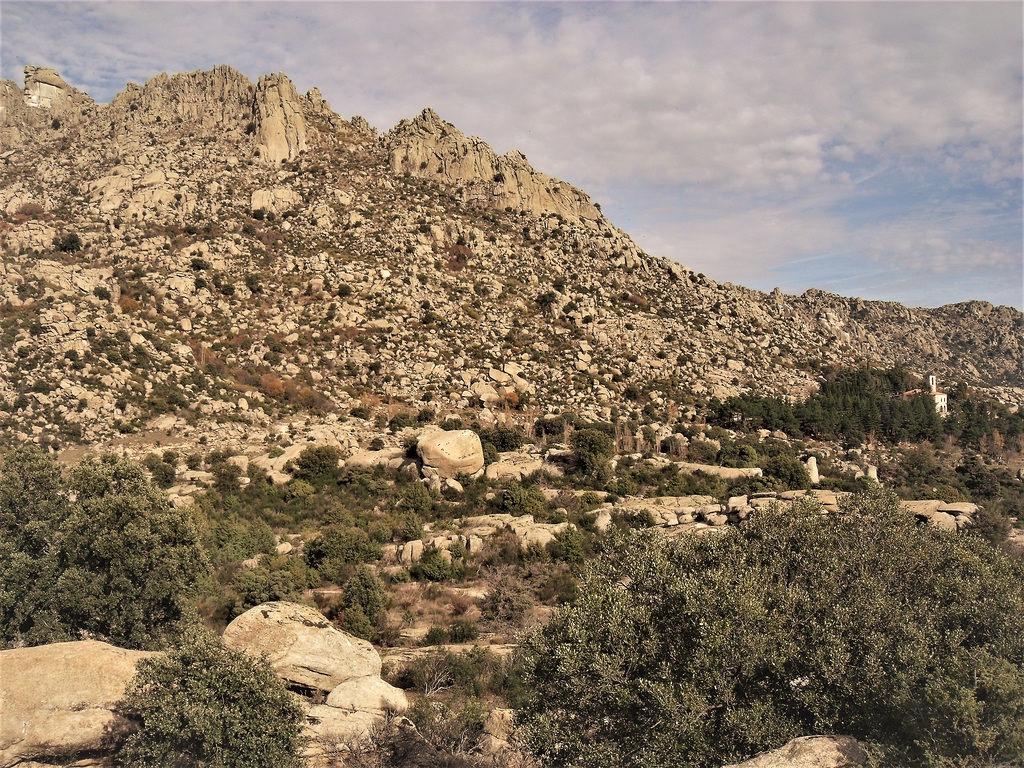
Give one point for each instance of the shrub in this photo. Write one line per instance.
(796, 623)
(592, 449)
(504, 438)
(365, 591)
(518, 500)
(69, 242)
(507, 602)
(205, 705)
(336, 547)
(317, 463)
(790, 473)
(434, 566)
(463, 631)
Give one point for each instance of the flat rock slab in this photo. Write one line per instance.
(59, 700)
(811, 752)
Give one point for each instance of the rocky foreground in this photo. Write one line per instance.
(60, 702)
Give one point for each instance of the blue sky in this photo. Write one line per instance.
(868, 149)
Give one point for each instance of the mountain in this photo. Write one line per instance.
(205, 255)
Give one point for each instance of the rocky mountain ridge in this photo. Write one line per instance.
(214, 256)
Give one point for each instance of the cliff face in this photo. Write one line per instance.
(218, 100)
(430, 148)
(241, 243)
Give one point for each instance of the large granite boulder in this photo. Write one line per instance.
(451, 453)
(303, 647)
(58, 701)
(811, 752)
(306, 650)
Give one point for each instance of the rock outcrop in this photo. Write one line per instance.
(811, 752)
(303, 647)
(280, 124)
(219, 99)
(430, 147)
(59, 701)
(310, 654)
(451, 453)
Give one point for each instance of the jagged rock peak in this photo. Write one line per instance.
(430, 147)
(216, 99)
(281, 125)
(46, 102)
(46, 89)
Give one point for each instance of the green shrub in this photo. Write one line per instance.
(434, 566)
(490, 453)
(365, 591)
(205, 705)
(592, 448)
(338, 546)
(69, 242)
(463, 631)
(504, 438)
(317, 463)
(518, 500)
(705, 651)
(790, 473)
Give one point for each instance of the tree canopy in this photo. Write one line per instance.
(99, 552)
(705, 651)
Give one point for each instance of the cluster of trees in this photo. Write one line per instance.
(851, 404)
(855, 403)
(704, 651)
(99, 553)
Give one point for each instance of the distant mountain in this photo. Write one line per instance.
(216, 254)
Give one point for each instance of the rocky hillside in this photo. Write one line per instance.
(209, 256)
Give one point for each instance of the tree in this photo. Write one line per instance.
(790, 472)
(206, 705)
(101, 552)
(593, 448)
(706, 651)
(69, 242)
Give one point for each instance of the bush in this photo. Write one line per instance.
(518, 500)
(317, 463)
(504, 438)
(116, 562)
(593, 448)
(434, 566)
(365, 591)
(69, 242)
(507, 602)
(205, 705)
(336, 547)
(705, 651)
(463, 631)
(791, 473)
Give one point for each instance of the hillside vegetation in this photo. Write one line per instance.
(590, 507)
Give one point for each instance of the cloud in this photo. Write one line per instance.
(745, 135)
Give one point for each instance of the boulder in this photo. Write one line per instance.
(368, 694)
(302, 646)
(810, 752)
(451, 453)
(60, 700)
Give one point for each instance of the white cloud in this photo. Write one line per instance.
(770, 114)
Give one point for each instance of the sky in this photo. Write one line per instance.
(868, 149)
